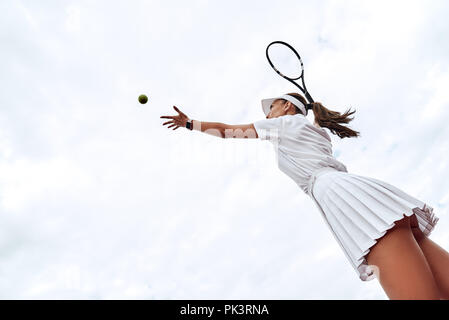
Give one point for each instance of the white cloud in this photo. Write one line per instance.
(73, 20)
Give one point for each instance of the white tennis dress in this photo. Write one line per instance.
(358, 209)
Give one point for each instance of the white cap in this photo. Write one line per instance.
(266, 103)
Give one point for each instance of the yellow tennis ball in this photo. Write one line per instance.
(143, 99)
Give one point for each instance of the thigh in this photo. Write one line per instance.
(401, 266)
(436, 256)
(438, 260)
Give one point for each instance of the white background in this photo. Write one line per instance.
(98, 200)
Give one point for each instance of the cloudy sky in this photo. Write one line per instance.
(98, 200)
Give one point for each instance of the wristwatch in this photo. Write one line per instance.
(189, 124)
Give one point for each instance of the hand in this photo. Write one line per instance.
(177, 121)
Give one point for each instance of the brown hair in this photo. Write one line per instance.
(328, 118)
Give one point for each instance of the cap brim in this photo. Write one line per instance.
(266, 104)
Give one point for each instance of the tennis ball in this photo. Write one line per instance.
(143, 99)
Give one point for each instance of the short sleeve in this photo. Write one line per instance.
(269, 129)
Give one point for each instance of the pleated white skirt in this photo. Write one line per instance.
(359, 210)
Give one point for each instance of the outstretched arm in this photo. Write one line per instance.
(218, 129)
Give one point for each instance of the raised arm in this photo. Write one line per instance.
(217, 129)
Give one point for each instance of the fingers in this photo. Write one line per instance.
(174, 119)
(172, 125)
(179, 111)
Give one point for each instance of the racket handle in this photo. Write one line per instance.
(309, 97)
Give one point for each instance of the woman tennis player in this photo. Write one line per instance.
(382, 230)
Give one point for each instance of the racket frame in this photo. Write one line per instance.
(292, 80)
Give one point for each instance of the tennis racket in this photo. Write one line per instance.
(285, 60)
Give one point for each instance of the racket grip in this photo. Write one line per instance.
(309, 97)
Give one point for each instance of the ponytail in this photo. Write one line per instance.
(329, 119)
(332, 119)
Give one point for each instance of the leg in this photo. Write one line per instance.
(437, 258)
(403, 271)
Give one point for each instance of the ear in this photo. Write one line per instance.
(287, 105)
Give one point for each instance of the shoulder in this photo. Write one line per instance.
(269, 123)
(295, 120)
(269, 128)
